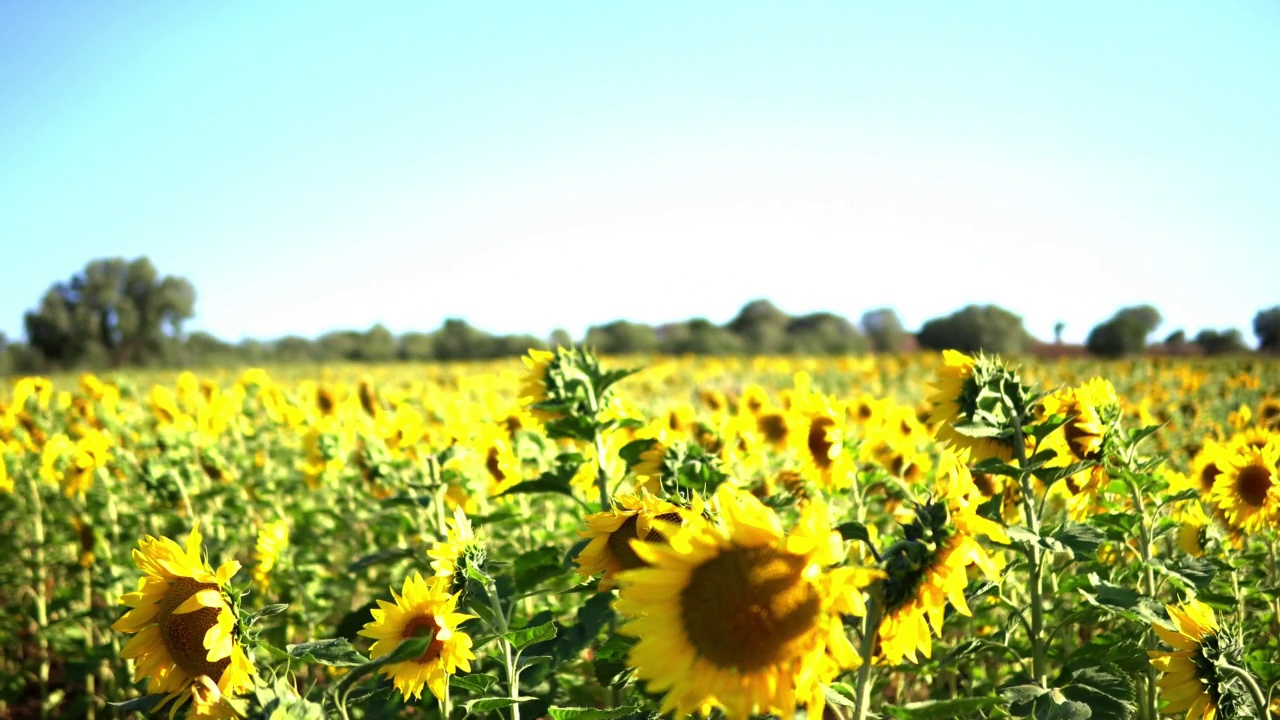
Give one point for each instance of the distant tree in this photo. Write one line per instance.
(294, 349)
(338, 346)
(376, 345)
(114, 311)
(1176, 341)
(824, 333)
(512, 345)
(456, 340)
(975, 328)
(560, 338)
(698, 336)
(761, 327)
(1125, 333)
(202, 349)
(1221, 343)
(621, 337)
(884, 330)
(1266, 326)
(1058, 328)
(416, 347)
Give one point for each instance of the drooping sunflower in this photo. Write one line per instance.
(931, 567)
(1191, 681)
(183, 626)
(534, 388)
(423, 608)
(1247, 488)
(819, 442)
(738, 614)
(459, 549)
(1085, 405)
(1193, 526)
(954, 389)
(633, 517)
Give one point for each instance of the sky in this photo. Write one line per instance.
(529, 166)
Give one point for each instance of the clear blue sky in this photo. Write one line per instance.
(311, 166)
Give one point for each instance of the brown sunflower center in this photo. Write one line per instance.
(819, 445)
(183, 635)
(1208, 475)
(1253, 484)
(985, 484)
(1083, 443)
(773, 426)
(620, 544)
(749, 608)
(425, 626)
(492, 463)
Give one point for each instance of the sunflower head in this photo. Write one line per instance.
(975, 401)
(565, 385)
(639, 518)
(424, 608)
(459, 550)
(1192, 681)
(1091, 411)
(1247, 487)
(740, 615)
(183, 625)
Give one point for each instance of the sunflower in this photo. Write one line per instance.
(740, 615)
(1204, 466)
(423, 608)
(1086, 405)
(930, 569)
(1191, 681)
(633, 516)
(1269, 413)
(183, 625)
(273, 538)
(1247, 488)
(460, 548)
(1193, 526)
(534, 389)
(819, 441)
(953, 390)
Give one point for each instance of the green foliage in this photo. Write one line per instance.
(1125, 333)
(976, 328)
(1266, 326)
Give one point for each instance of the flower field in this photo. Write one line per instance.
(926, 536)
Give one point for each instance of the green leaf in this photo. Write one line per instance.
(478, 684)
(266, 612)
(854, 531)
(539, 486)
(139, 704)
(631, 452)
(377, 558)
(1050, 475)
(528, 636)
(574, 713)
(483, 705)
(1108, 695)
(977, 430)
(335, 652)
(1019, 697)
(941, 709)
(1082, 539)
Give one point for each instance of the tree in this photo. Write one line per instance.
(1058, 328)
(1221, 343)
(114, 311)
(698, 336)
(1266, 326)
(976, 328)
(883, 330)
(416, 347)
(377, 345)
(457, 340)
(761, 326)
(621, 338)
(823, 333)
(1125, 333)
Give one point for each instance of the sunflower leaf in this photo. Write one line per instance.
(577, 713)
(482, 705)
(335, 652)
(940, 709)
(528, 636)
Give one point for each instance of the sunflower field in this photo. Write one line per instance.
(571, 537)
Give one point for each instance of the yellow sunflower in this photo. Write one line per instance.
(534, 388)
(740, 615)
(1085, 405)
(450, 556)
(1204, 466)
(1247, 488)
(423, 608)
(955, 381)
(1193, 526)
(925, 574)
(183, 626)
(1190, 682)
(1269, 413)
(611, 532)
(273, 538)
(819, 442)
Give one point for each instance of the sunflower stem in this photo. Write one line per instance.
(39, 581)
(508, 660)
(870, 628)
(1035, 581)
(1250, 683)
(1144, 530)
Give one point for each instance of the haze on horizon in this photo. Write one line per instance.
(320, 166)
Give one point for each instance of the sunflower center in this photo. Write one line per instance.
(1208, 475)
(749, 608)
(1253, 484)
(620, 544)
(425, 626)
(494, 466)
(183, 635)
(819, 445)
(774, 427)
(985, 484)
(1081, 441)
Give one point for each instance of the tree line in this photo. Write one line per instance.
(123, 313)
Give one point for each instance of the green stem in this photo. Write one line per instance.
(39, 573)
(1150, 576)
(1251, 684)
(870, 628)
(508, 659)
(1035, 582)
